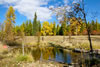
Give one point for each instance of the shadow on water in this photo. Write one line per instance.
(55, 54)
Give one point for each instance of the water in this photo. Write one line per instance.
(54, 54)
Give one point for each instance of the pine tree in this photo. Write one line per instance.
(90, 27)
(57, 30)
(35, 25)
(97, 25)
(26, 28)
(82, 28)
(93, 25)
(61, 30)
(17, 30)
(22, 29)
(68, 28)
(63, 26)
(30, 26)
(54, 28)
(39, 26)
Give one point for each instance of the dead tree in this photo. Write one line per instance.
(79, 9)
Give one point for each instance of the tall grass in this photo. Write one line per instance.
(26, 58)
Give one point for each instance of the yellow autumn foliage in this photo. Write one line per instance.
(47, 28)
(75, 25)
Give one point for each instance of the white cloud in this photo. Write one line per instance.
(76, 1)
(66, 2)
(29, 7)
(51, 7)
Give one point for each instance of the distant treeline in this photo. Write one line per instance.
(71, 26)
(51, 28)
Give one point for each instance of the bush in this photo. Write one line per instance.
(23, 58)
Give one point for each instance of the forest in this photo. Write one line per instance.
(31, 28)
(52, 29)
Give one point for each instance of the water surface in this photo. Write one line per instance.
(54, 54)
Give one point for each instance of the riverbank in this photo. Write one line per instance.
(42, 56)
(77, 42)
(48, 45)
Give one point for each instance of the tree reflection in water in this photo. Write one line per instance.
(53, 54)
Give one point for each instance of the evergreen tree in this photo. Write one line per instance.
(97, 25)
(35, 25)
(17, 30)
(57, 30)
(64, 28)
(90, 27)
(82, 28)
(54, 29)
(68, 28)
(61, 30)
(30, 26)
(39, 26)
(63, 25)
(93, 25)
(26, 28)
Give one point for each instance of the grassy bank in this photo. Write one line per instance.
(76, 41)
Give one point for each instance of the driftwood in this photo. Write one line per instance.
(80, 50)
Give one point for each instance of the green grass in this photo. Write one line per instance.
(20, 57)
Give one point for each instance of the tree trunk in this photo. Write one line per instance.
(88, 30)
(89, 35)
(23, 40)
(70, 37)
(23, 48)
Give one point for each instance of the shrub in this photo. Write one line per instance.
(23, 58)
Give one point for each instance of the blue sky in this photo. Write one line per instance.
(25, 9)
